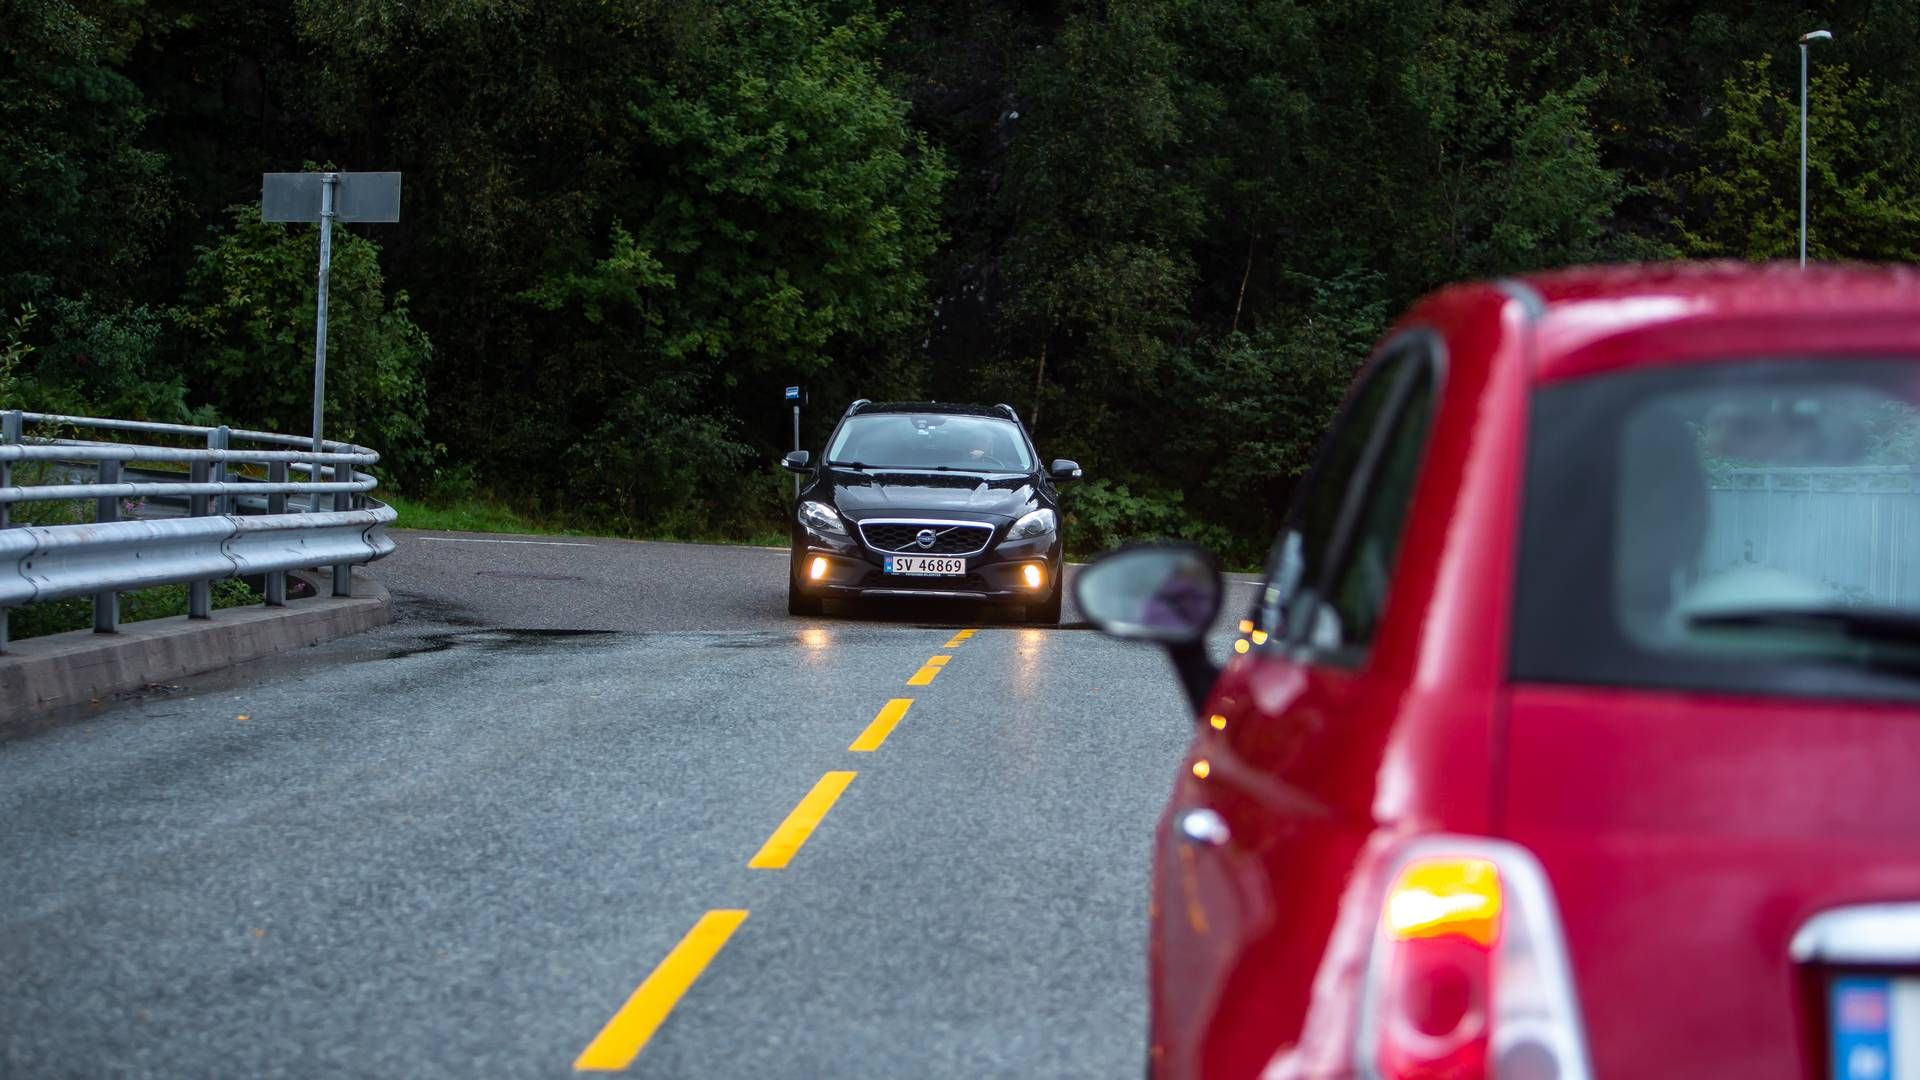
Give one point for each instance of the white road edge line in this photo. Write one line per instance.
(464, 540)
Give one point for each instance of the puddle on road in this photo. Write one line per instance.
(747, 639)
(491, 639)
(413, 607)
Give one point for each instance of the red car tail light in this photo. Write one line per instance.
(1468, 975)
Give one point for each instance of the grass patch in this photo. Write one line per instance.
(158, 602)
(467, 515)
(758, 538)
(485, 516)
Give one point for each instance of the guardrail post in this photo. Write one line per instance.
(317, 500)
(217, 439)
(106, 603)
(277, 504)
(11, 423)
(199, 593)
(342, 572)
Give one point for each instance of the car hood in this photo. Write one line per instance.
(873, 493)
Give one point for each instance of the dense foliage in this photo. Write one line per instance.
(1166, 230)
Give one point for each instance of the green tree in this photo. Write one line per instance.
(82, 207)
(1863, 202)
(784, 192)
(83, 201)
(1104, 210)
(781, 211)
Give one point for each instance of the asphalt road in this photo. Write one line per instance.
(459, 846)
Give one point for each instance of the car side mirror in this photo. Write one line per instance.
(1168, 594)
(1062, 469)
(797, 461)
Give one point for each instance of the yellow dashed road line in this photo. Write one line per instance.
(627, 1033)
(928, 670)
(882, 725)
(785, 842)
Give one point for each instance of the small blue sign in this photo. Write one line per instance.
(1862, 1017)
(793, 393)
(886, 564)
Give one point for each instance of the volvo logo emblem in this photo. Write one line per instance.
(925, 538)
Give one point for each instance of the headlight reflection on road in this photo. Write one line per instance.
(1027, 661)
(1025, 730)
(816, 641)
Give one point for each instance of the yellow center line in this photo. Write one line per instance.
(882, 725)
(627, 1033)
(958, 639)
(928, 670)
(785, 842)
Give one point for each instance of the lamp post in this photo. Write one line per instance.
(1805, 41)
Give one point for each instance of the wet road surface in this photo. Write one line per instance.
(601, 805)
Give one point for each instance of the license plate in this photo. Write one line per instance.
(1875, 1020)
(925, 565)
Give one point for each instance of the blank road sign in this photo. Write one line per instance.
(359, 196)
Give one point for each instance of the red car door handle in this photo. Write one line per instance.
(1203, 826)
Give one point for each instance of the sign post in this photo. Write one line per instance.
(793, 395)
(328, 182)
(325, 198)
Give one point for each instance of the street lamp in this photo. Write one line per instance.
(1805, 40)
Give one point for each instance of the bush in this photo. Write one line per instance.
(80, 356)
(247, 323)
(1102, 515)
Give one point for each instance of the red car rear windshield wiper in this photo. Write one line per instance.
(1864, 624)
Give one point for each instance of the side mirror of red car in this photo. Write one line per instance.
(1164, 593)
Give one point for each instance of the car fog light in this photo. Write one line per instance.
(817, 569)
(1034, 575)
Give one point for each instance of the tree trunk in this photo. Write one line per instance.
(1039, 379)
(1244, 275)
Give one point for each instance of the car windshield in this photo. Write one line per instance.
(1682, 524)
(930, 441)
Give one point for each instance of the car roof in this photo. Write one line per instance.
(1801, 308)
(1774, 284)
(995, 412)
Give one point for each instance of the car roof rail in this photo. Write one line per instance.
(855, 407)
(1008, 409)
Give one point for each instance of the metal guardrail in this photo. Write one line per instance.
(215, 539)
(1854, 528)
(1827, 478)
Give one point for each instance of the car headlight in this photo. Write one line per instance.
(1037, 523)
(821, 518)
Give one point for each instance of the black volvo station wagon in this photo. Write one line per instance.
(927, 499)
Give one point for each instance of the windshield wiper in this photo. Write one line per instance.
(864, 467)
(1864, 624)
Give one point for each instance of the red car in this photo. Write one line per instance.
(1576, 728)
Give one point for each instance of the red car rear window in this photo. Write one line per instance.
(1739, 526)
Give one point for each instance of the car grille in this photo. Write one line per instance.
(903, 537)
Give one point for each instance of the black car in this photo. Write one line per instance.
(924, 499)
